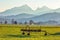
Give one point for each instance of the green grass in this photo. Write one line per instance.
(19, 36)
(13, 32)
(58, 33)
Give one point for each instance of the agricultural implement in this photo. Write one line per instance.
(28, 30)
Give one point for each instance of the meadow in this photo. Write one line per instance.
(13, 32)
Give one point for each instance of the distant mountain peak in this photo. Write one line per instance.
(17, 10)
(25, 5)
(38, 8)
(44, 7)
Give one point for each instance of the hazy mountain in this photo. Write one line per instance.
(19, 16)
(15, 17)
(25, 13)
(28, 10)
(25, 9)
(43, 10)
(17, 10)
(57, 10)
(45, 17)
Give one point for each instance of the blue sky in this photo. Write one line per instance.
(7, 4)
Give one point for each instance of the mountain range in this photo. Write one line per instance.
(25, 9)
(45, 17)
(17, 10)
(25, 13)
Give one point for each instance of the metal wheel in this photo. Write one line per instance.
(23, 33)
(28, 34)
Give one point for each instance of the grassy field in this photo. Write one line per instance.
(13, 32)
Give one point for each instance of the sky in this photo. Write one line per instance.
(34, 4)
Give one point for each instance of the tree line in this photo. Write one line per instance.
(15, 22)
